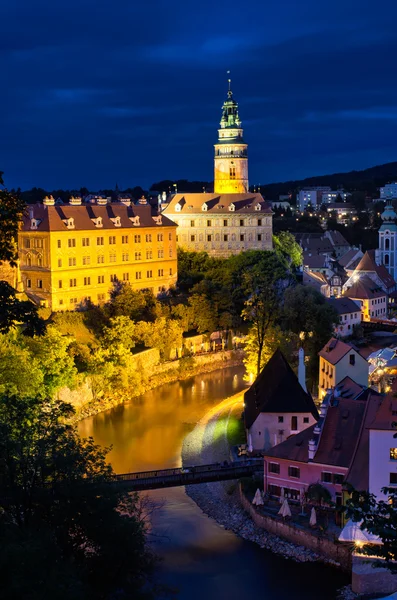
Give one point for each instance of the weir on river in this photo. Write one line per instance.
(199, 558)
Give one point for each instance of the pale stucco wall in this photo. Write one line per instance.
(380, 465)
(265, 431)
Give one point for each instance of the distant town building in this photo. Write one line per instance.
(349, 313)
(333, 196)
(311, 196)
(389, 191)
(370, 296)
(232, 219)
(72, 253)
(284, 205)
(277, 404)
(339, 244)
(339, 360)
(344, 211)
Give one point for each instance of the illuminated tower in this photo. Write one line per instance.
(231, 158)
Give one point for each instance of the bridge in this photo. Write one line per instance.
(163, 478)
(379, 325)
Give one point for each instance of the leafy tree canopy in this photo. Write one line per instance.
(11, 211)
(15, 312)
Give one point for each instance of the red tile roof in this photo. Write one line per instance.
(52, 217)
(384, 416)
(340, 431)
(335, 350)
(218, 204)
(364, 288)
(368, 263)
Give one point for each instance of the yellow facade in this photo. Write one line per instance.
(63, 268)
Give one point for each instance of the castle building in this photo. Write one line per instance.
(72, 253)
(231, 219)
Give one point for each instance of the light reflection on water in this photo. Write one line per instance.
(199, 558)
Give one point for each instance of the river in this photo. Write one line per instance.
(200, 559)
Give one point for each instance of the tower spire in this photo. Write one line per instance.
(229, 81)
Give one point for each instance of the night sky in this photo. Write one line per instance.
(95, 93)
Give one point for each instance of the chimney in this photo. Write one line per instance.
(31, 213)
(312, 449)
(302, 369)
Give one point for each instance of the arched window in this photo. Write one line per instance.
(386, 259)
(28, 260)
(39, 260)
(387, 244)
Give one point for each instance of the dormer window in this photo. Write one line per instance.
(135, 221)
(98, 222)
(258, 207)
(232, 207)
(178, 207)
(34, 223)
(116, 221)
(69, 223)
(204, 207)
(158, 220)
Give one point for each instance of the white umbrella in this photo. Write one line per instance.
(258, 501)
(352, 532)
(285, 510)
(313, 517)
(250, 448)
(282, 494)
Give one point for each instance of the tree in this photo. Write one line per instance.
(275, 339)
(14, 312)
(307, 313)
(166, 335)
(138, 305)
(121, 331)
(264, 286)
(212, 306)
(288, 249)
(56, 498)
(380, 519)
(20, 372)
(11, 212)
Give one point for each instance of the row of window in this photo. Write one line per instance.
(378, 301)
(101, 297)
(211, 223)
(326, 476)
(100, 240)
(225, 237)
(100, 259)
(100, 279)
(345, 317)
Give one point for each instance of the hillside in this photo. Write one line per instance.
(367, 180)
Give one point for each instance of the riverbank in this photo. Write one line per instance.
(208, 443)
(88, 404)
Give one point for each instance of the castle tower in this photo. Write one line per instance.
(231, 158)
(387, 252)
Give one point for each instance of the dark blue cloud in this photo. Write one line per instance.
(99, 92)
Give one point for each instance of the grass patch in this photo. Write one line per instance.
(236, 429)
(73, 323)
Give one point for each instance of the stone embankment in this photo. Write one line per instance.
(208, 443)
(88, 401)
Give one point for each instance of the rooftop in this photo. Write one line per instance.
(344, 305)
(218, 204)
(368, 263)
(364, 289)
(276, 390)
(335, 350)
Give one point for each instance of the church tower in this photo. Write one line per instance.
(231, 157)
(387, 252)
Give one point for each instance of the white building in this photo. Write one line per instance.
(337, 361)
(349, 313)
(277, 405)
(312, 196)
(333, 195)
(383, 449)
(387, 251)
(389, 191)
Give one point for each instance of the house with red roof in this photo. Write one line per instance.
(370, 296)
(377, 272)
(327, 452)
(339, 360)
(277, 405)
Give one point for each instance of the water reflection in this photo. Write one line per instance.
(147, 432)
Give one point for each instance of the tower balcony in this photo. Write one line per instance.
(239, 154)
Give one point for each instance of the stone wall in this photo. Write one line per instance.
(88, 401)
(368, 580)
(321, 545)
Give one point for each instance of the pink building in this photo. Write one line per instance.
(324, 452)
